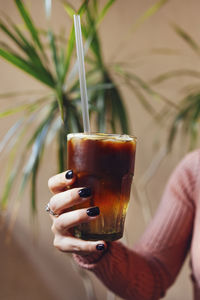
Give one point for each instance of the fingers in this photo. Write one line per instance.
(64, 221)
(65, 242)
(70, 219)
(73, 245)
(60, 182)
(61, 201)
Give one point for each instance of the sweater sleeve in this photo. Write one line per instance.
(147, 270)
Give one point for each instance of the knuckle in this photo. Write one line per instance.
(79, 217)
(92, 248)
(73, 197)
(58, 244)
(69, 195)
(59, 225)
(88, 247)
(52, 203)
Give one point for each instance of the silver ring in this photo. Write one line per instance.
(51, 212)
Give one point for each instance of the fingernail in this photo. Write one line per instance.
(69, 174)
(85, 192)
(100, 247)
(93, 211)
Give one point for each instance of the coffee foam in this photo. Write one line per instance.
(101, 136)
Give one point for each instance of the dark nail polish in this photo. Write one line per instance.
(85, 192)
(69, 174)
(93, 211)
(100, 247)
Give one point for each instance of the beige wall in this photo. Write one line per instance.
(155, 33)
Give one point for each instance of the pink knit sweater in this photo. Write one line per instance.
(146, 271)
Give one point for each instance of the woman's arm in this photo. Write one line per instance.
(146, 272)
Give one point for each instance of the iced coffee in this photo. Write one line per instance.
(105, 163)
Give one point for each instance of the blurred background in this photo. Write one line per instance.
(30, 267)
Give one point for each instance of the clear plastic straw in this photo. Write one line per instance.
(83, 87)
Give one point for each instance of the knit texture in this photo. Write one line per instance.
(146, 271)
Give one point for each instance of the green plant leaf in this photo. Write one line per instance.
(91, 35)
(96, 87)
(172, 134)
(14, 110)
(59, 97)
(24, 45)
(40, 141)
(146, 103)
(21, 41)
(29, 23)
(9, 134)
(54, 53)
(145, 86)
(188, 116)
(175, 73)
(190, 88)
(69, 9)
(117, 104)
(104, 11)
(27, 67)
(29, 107)
(73, 117)
(53, 130)
(163, 51)
(95, 6)
(14, 165)
(194, 125)
(71, 41)
(7, 189)
(31, 165)
(11, 35)
(101, 111)
(69, 52)
(33, 186)
(46, 120)
(90, 29)
(62, 150)
(15, 131)
(144, 17)
(36, 150)
(30, 51)
(187, 38)
(37, 138)
(148, 13)
(110, 107)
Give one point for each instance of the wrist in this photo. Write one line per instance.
(88, 261)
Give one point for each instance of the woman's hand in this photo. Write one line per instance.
(64, 221)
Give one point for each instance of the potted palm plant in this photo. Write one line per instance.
(56, 111)
(186, 114)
